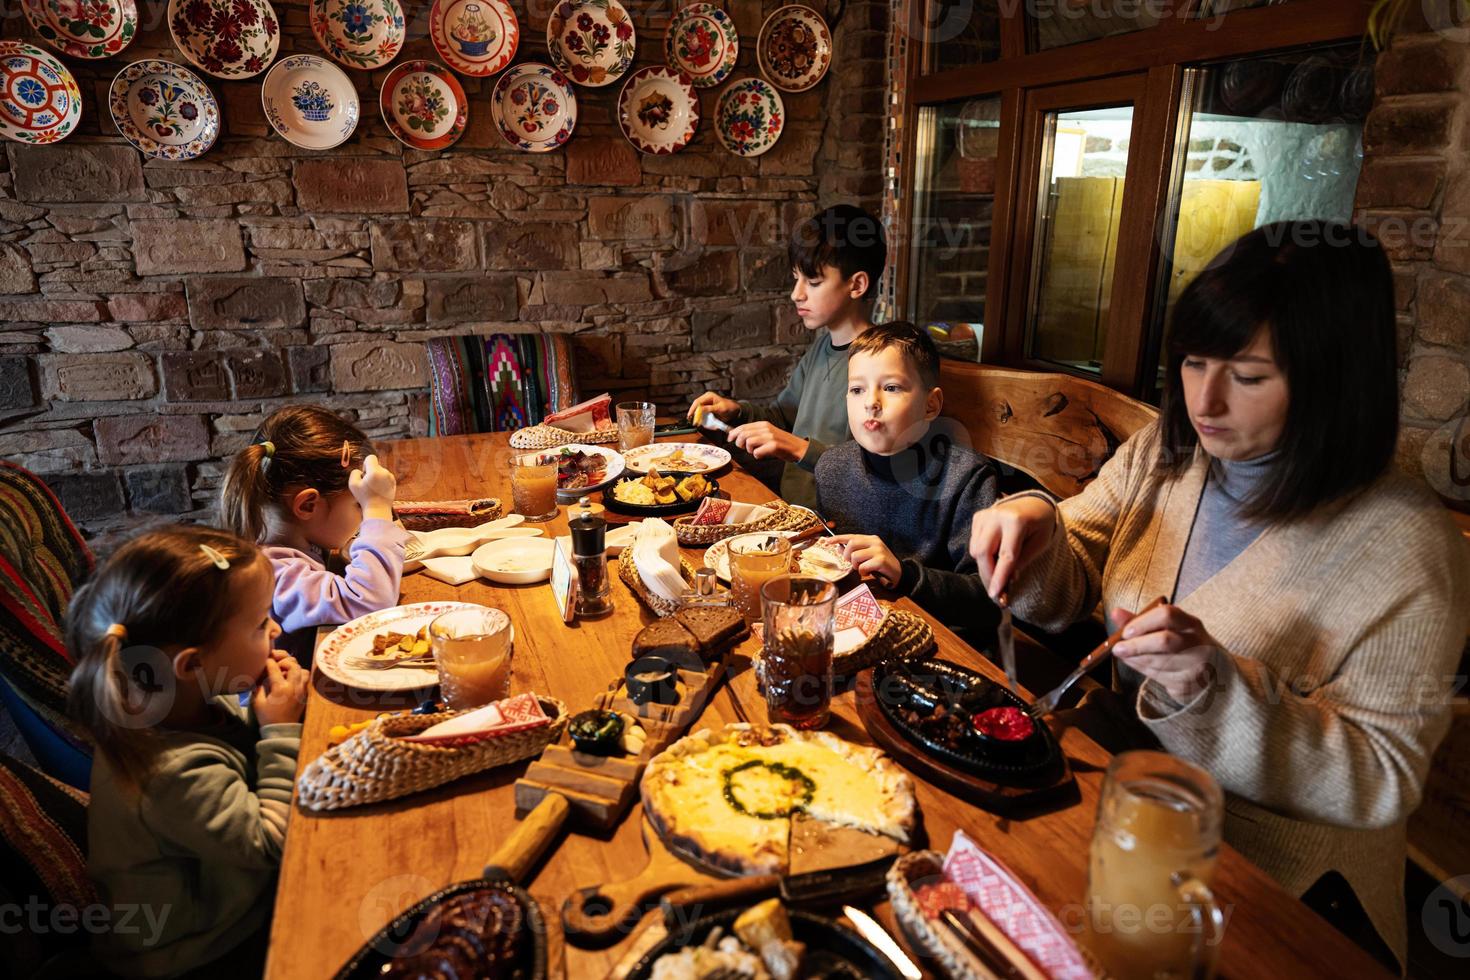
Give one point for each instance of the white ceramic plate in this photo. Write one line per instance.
(164, 109)
(591, 41)
(424, 105)
(515, 561)
(614, 470)
(658, 110)
(358, 33)
(818, 559)
(355, 639)
(676, 457)
(96, 29)
(310, 102)
(227, 38)
(534, 107)
(39, 98)
(794, 48)
(476, 37)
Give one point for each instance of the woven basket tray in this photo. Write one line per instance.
(628, 572)
(488, 509)
(786, 518)
(933, 939)
(376, 765)
(549, 437)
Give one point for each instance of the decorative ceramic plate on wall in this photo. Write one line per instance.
(358, 33)
(534, 107)
(703, 43)
(310, 102)
(424, 106)
(84, 28)
(749, 117)
(164, 109)
(658, 109)
(39, 98)
(794, 48)
(476, 37)
(227, 38)
(591, 41)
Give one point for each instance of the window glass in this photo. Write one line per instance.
(1058, 23)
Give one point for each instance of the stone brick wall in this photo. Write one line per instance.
(1415, 192)
(152, 313)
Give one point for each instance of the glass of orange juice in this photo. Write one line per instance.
(472, 649)
(635, 425)
(1150, 911)
(754, 560)
(533, 486)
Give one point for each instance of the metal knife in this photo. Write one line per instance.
(879, 937)
(1005, 640)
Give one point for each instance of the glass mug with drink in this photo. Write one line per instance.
(533, 486)
(755, 559)
(1150, 912)
(796, 659)
(472, 649)
(635, 425)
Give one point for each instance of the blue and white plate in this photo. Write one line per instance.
(164, 109)
(310, 102)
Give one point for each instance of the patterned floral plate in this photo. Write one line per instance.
(703, 43)
(355, 639)
(164, 109)
(534, 107)
(591, 41)
(476, 37)
(749, 117)
(310, 102)
(84, 28)
(227, 38)
(675, 457)
(794, 48)
(424, 106)
(658, 110)
(39, 98)
(358, 33)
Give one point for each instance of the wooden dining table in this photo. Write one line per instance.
(345, 874)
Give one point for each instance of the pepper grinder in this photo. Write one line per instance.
(589, 554)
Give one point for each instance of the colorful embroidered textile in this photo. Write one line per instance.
(498, 383)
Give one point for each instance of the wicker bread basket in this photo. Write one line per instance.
(430, 515)
(376, 764)
(785, 518)
(628, 572)
(549, 437)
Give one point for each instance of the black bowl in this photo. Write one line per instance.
(389, 942)
(930, 702)
(832, 950)
(656, 510)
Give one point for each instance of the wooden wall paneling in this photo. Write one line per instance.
(993, 342)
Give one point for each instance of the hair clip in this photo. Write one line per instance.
(346, 454)
(269, 447)
(117, 630)
(220, 561)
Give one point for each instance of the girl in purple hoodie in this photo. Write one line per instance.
(308, 485)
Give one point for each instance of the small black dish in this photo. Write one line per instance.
(832, 949)
(652, 680)
(389, 943)
(931, 703)
(596, 731)
(617, 506)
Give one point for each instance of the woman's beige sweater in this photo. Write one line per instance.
(1339, 639)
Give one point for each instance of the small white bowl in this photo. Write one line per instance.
(515, 561)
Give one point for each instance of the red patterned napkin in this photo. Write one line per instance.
(594, 413)
(495, 719)
(1011, 906)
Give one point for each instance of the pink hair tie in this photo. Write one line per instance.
(117, 630)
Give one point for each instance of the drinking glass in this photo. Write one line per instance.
(1150, 910)
(754, 559)
(635, 425)
(796, 661)
(472, 649)
(533, 487)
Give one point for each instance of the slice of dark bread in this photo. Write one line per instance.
(715, 627)
(663, 637)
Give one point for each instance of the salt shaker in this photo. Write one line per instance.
(589, 554)
(706, 591)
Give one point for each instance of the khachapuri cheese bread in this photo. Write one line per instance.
(727, 796)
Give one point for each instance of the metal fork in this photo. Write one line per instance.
(1046, 705)
(370, 663)
(727, 973)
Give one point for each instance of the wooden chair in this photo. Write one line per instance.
(1055, 428)
(498, 382)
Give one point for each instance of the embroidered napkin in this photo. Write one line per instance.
(497, 718)
(1012, 907)
(857, 616)
(656, 556)
(594, 413)
(717, 510)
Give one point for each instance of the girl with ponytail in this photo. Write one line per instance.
(191, 791)
(306, 484)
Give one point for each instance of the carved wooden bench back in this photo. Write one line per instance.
(1056, 428)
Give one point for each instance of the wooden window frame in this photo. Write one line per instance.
(1153, 62)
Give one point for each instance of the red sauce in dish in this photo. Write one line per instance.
(1006, 724)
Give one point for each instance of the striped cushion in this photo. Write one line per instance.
(498, 383)
(42, 561)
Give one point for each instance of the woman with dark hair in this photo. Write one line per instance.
(1318, 599)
